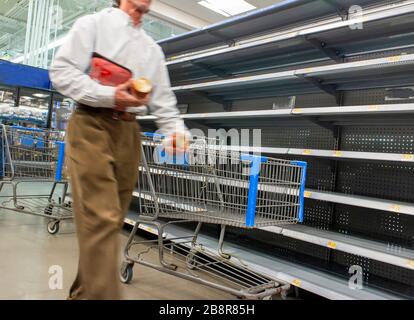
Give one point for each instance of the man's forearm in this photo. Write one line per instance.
(80, 87)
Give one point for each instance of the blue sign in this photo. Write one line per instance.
(19, 75)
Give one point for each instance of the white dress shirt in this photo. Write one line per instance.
(111, 34)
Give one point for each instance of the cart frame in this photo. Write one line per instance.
(42, 205)
(242, 281)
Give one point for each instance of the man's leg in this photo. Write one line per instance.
(76, 289)
(96, 207)
(126, 164)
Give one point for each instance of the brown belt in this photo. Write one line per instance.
(114, 114)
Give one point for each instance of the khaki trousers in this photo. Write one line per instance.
(103, 158)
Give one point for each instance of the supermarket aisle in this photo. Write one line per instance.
(27, 252)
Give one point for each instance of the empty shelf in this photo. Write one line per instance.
(353, 200)
(299, 45)
(379, 251)
(373, 73)
(272, 17)
(332, 154)
(362, 201)
(341, 198)
(297, 111)
(318, 282)
(348, 199)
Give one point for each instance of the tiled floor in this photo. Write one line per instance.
(27, 252)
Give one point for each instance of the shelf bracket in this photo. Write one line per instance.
(342, 13)
(339, 97)
(329, 89)
(197, 124)
(322, 124)
(230, 42)
(219, 36)
(322, 47)
(227, 105)
(215, 71)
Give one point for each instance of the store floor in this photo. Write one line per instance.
(27, 252)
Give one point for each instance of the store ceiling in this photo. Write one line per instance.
(193, 8)
(13, 17)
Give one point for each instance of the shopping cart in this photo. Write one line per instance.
(33, 159)
(211, 184)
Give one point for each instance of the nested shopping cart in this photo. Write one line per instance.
(31, 174)
(211, 184)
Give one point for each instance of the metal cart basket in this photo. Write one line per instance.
(34, 159)
(216, 185)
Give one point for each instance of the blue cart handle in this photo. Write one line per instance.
(27, 129)
(61, 160)
(255, 166)
(304, 166)
(153, 135)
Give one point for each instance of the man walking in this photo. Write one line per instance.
(103, 135)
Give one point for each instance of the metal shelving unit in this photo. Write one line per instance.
(273, 17)
(319, 41)
(403, 108)
(318, 282)
(384, 72)
(227, 64)
(324, 111)
(371, 249)
(355, 200)
(332, 154)
(361, 201)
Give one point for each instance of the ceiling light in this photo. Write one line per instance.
(40, 95)
(210, 6)
(227, 8)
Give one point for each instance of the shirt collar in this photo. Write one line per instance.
(127, 19)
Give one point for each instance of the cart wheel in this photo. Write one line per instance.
(49, 210)
(127, 272)
(53, 227)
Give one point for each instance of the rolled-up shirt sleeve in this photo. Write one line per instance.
(68, 70)
(163, 103)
